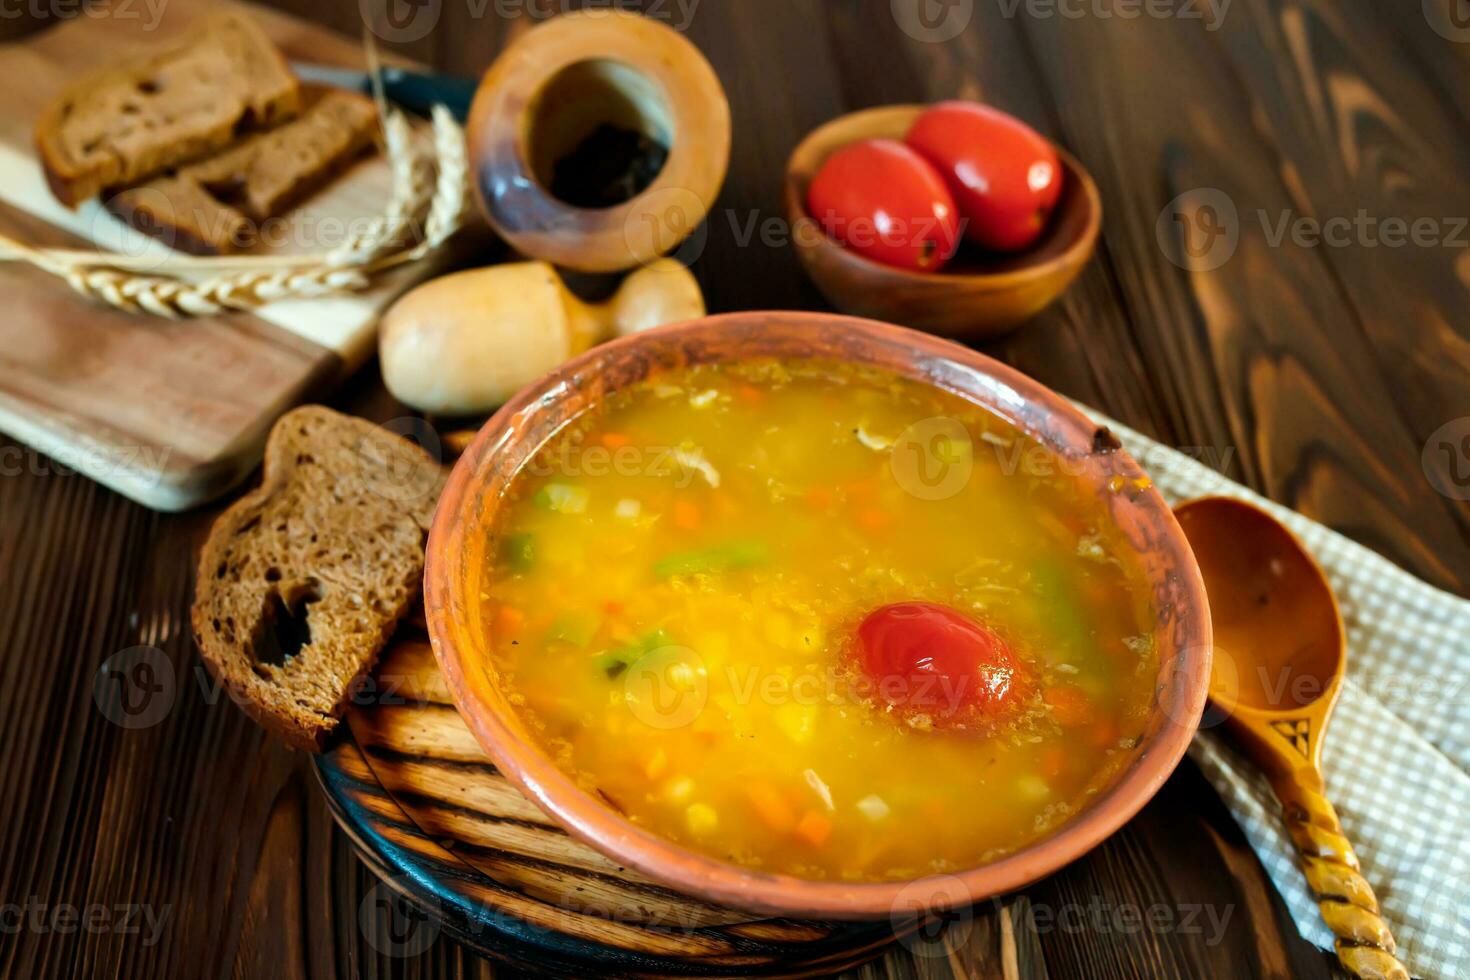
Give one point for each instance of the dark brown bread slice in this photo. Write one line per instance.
(139, 117)
(181, 214)
(218, 204)
(303, 580)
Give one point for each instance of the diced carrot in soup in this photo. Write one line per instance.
(509, 620)
(699, 651)
(1104, 734)
(686, 515)
(814, 828)
(1069, 705)
(771, 806)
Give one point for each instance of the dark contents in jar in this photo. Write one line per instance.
(610, 166)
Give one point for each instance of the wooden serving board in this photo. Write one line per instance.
(435, 819)
(170, 414)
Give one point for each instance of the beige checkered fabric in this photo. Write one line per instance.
(1397, 754)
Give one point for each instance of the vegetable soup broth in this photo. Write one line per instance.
(676, 590)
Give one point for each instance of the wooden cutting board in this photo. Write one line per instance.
(171, 414)
(434, 818)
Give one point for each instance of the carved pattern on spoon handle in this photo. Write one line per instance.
(1365, 946)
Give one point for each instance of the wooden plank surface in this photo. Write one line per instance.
(1315, 371)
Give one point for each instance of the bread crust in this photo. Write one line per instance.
(382, 485)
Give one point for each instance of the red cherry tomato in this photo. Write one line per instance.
(925, 658)
(1004, 175)
(882, 199)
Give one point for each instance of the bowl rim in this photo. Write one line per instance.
(729, 884)
(1075, 253)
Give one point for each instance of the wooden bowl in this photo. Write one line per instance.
(971, 298)
(550, 90)
(464, 537)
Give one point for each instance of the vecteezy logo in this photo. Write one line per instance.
(1449, 18)
(933, 458)
(400, 21)
(154, 219)
(667, 687)
(392, 924)
(1199, 230)
(1446, 459)
(134, 688)
(934, 21)
(399, 478)
(931, 916)
(666, 220)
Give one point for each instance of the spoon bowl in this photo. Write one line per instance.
(1264, 584)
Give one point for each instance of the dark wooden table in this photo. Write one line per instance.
(1314, 371)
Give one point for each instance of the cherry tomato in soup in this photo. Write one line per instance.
(1005, 176)
(880, 198)
(925, 658)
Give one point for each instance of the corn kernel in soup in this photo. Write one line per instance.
(710, 603)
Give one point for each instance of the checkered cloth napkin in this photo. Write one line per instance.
(1397, 754)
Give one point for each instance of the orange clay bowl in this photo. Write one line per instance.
(974, 296)
(464, 534)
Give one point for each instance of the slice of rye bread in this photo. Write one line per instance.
(302, 581)
(218, 205)
(139, 117)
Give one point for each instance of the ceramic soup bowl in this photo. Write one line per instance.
(465, 532)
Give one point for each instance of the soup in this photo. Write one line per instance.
(819, 620)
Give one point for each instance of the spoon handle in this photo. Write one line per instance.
(1365, 946)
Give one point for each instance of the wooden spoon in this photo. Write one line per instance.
(1278, 666)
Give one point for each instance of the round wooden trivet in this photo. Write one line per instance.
(433, 817)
